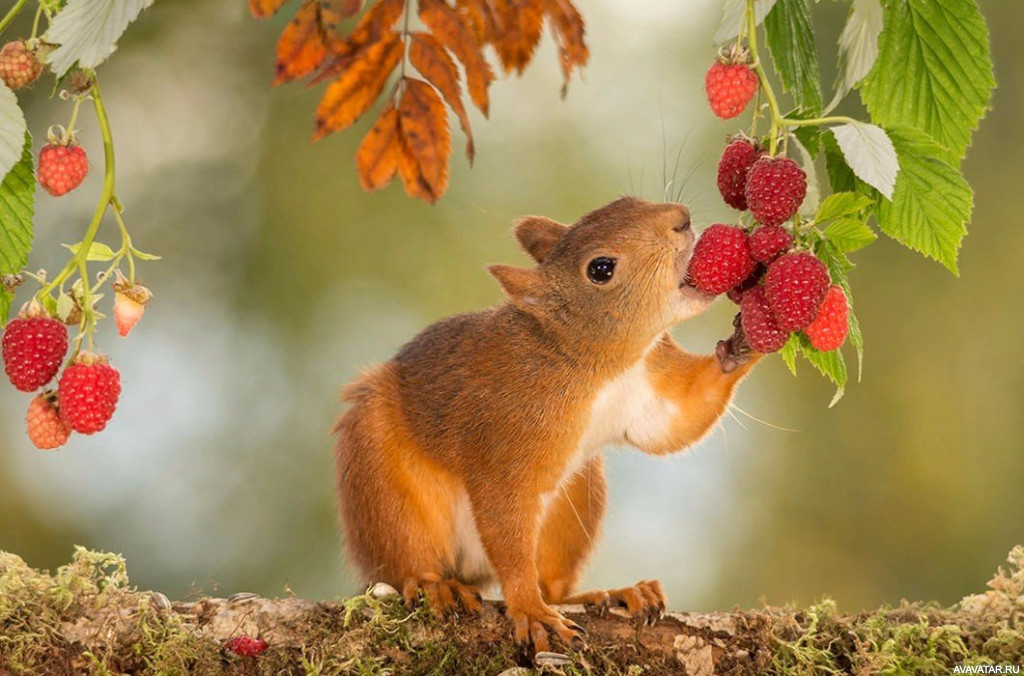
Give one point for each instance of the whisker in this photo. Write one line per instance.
(763, 422)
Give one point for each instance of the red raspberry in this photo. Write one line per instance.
(33, 348)
(45, 428)
(730, 87)
(62, 168)
(736, 161)
(735, 294)
(796, 285)
(247, 646)
(89, 390)
(721, 259)
(829, 330)
(769, 242)
(776, 187)
(759, 325)
(19, 66)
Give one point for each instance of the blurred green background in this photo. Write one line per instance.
(282, 279)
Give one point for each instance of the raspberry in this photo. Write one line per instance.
(89, 389)
(829, 330)
(19, 66)
(247, 646)
(796, 285)
(759, 325)
(33, 348)
(62, 168)
(735, 294)
(46, 430)
(721, 259)
(736, 161)
(768, 242)
(129, 305)
(775, 189)
(730, 87)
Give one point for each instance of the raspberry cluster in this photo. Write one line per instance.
(35, 345)
(781, 287)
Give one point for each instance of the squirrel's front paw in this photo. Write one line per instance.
(444, 597)
(734, 351)
(535, 628)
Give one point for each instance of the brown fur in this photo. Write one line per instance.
(489, 409)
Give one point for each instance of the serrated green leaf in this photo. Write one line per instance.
(810, 138)
(17, 205)
(932, 203)
(97, 251)
(840, 176)
(840, 204)
(88, 30)
(12, 130)
(734, 17)
(789, 35)
(850, 234)
(870, 154)
(858, 46)
(933, 73)
(811, 200)
(829, 364)
(789, 352)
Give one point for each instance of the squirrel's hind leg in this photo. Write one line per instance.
(397, 504)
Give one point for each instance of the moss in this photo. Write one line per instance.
(40, 614)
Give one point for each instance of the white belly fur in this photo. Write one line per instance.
(626, 410)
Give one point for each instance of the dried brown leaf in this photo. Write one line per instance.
(380, 152)
(426, 142)
(334, 11)
(261, 9)
(451, 32)
(517, 28)
(352, 94)
(476, 14)
(374, 24)
(431, 59)
(569, 30)
(302, 46)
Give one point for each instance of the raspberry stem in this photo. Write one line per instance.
(773, 103)
(9, 17)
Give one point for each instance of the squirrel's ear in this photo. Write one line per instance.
(523, 286)
(538, 235)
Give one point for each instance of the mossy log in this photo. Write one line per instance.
(86, 619)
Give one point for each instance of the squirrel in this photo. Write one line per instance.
(474, 455)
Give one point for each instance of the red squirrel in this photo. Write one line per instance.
(474, 455)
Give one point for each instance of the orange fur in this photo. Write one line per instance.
(473, 455)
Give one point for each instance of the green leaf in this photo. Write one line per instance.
(869, 153)
(810, 204)
(97, 251)
(734, 17)
(12, 130)
(840, 176)
(810, 138)
(789, 352)
(17, 205)
(932, 203)
(850, 234)
(858, 46)
(829, 364)
(88, 30)
(933, 73)
(789, 35)
(143, 256)
(842, 204)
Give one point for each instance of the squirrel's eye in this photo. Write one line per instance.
(601, 269)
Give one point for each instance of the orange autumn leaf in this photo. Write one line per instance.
(352, 94)
(370, 29)
(568, 28)
(261, 9)
(336, 10)
(476, 14)
(426, 142)
(518, 25)
(380, 152)
(431, 59)
(451, 32)
(302, 46)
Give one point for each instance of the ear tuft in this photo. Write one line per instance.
(538, 235)
(523, 286)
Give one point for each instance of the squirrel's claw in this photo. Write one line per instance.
(536, 629)
(443, 597)
(734, 351)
